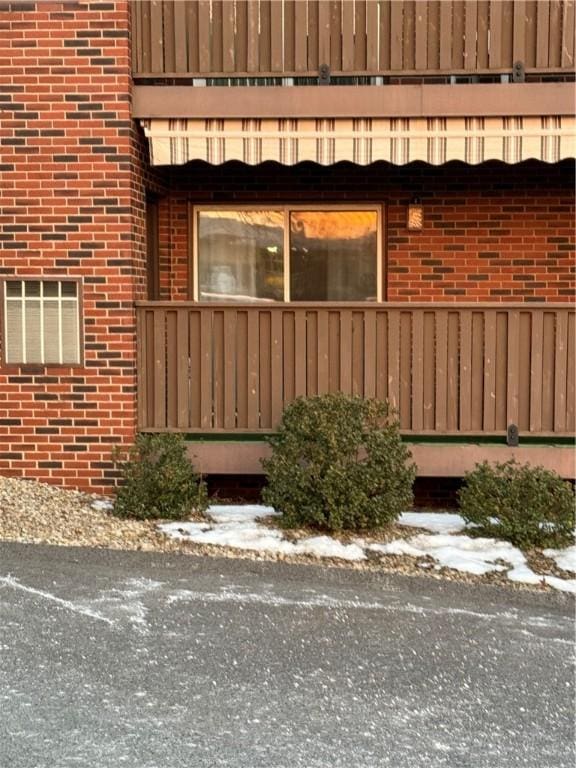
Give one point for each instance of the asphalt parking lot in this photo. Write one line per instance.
(158, 661)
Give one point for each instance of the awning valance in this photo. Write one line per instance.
(362, 141)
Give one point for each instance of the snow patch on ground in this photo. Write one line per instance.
(564, 558)
(240, 527)
(433, 521)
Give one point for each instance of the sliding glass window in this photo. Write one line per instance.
(288, 254)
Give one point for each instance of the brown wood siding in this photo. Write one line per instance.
(176, 38)
(446, 369)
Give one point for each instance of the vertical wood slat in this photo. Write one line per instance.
(313, 22)
(253, 55)
(430, 370)
(144, 26)
(421, 34)
(507, 33)
(277, 376)
(156, 37)
(477, 372)
(323, 352)
(358, 353)
(519, 26)
(568, 33)
(490, 371)
(433, 41)
(241, 37)
(311, 354)
(242, 370)
(253, 372)
(466, 371)
(470, 28)
(524, 371)
(394, 358)
(442, 366)
(548, 348)
(230, 43)
(536, 372)
(204, 36)
(542, 33)
(346, 351)
(409, 35)
(482, 31)
(206, 371)
(142, 370)
(216, 38)
(289, 35)
(360, 35)
(229, 346)
(571, 376)
(192, 37)
(560, 368)
(137, 36)
(265, 54)
(276, 38)
(530, 13)
(159, 360)
(555, 29)
(347, 37)
(181, 36)
(195, 368)
(446, 35)
(406, 369)
(512, 396)
(183, 398)
(417, 370)
(384, 36)
(501, 369)
(265, 374)
(300, 37)
(396, 12)
(335, 32)
(452, 387)
(169, 35)
(370, 353)
(458, 35)
(496, 32)
(323, 32)
(372, 12)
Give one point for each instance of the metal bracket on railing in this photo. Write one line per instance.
(512, 435)
(518, 72)
(324, 75)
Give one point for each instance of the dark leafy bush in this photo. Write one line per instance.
(158, 480)
(338, 463)
(529, 506)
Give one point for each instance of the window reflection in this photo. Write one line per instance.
(241, 255)
(333, 255)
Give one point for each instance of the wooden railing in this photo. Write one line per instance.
(447, 369)
(238, 38)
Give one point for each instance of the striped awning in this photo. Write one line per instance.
(399, 141)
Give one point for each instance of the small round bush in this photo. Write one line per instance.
(528, 506)
(158, 480)
(338, 463)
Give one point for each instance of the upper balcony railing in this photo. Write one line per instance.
(175, 39)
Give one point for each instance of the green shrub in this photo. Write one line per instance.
(528, 506)
(158, 480)
(338, 463)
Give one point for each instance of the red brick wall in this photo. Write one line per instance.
(71, 203)
(491, 233)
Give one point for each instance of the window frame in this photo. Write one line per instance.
(286, 208)
(13, 364)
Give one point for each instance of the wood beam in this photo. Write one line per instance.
(347, 101)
